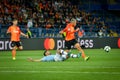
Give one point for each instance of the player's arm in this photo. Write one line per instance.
(24, 35)
(67, 30)
(9, 30)
(64, 30)
(74, 31)
(34, 60)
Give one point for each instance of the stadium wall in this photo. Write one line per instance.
(55, 43)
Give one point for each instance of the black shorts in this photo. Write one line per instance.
(16, 43)
(70, 43)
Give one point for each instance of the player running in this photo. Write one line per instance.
(60, 55)
(15, 32)
(70, 38)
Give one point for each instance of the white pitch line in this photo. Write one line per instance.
(101, 67)
(20, 71)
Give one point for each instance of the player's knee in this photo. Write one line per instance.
(20, 47)
(77, 45)
(14, 48)
(58, 51)
(68, 50)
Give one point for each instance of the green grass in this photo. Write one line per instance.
(101, 66)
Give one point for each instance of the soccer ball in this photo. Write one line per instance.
(107, 48)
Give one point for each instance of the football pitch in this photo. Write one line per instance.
(100, 66)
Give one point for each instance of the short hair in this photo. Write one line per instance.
(15, 20)
(45, 53)
(73, 20)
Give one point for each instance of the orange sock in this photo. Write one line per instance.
(83, 55)
(13, 53)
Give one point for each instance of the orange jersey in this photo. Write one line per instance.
(69, 32)
(15, 33)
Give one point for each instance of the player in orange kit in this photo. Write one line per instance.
(70, 38)
(15, 32)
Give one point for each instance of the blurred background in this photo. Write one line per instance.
(45, 18)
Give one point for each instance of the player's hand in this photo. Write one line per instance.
(24, 35)
(30, 59)
(77, 29)
(27, 36)
(61, 32)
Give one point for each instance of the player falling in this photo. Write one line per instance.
(15, 32)
(60, 55)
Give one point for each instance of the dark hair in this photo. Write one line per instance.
(45, 53)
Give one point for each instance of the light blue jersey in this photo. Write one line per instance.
(56, 57)
(48, 58)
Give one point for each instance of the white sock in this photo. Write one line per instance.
(63, 52)
(64, 56)
(73, 55)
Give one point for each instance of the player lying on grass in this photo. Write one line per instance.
(60, 55)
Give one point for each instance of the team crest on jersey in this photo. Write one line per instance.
(15, 31)
(68, 29)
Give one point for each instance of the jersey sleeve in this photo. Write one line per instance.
(72, 31)
(48, 58)
(19, 30)
(43, 59)
(9, 30)
(67, 29)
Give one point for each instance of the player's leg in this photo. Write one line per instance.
(75, 55)
(68, 54)
(68, 45)
(77, 45)
(63, 54)
(14, 47)
(58, 57)
(14, 53)
(34, 60)
(19, 45)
